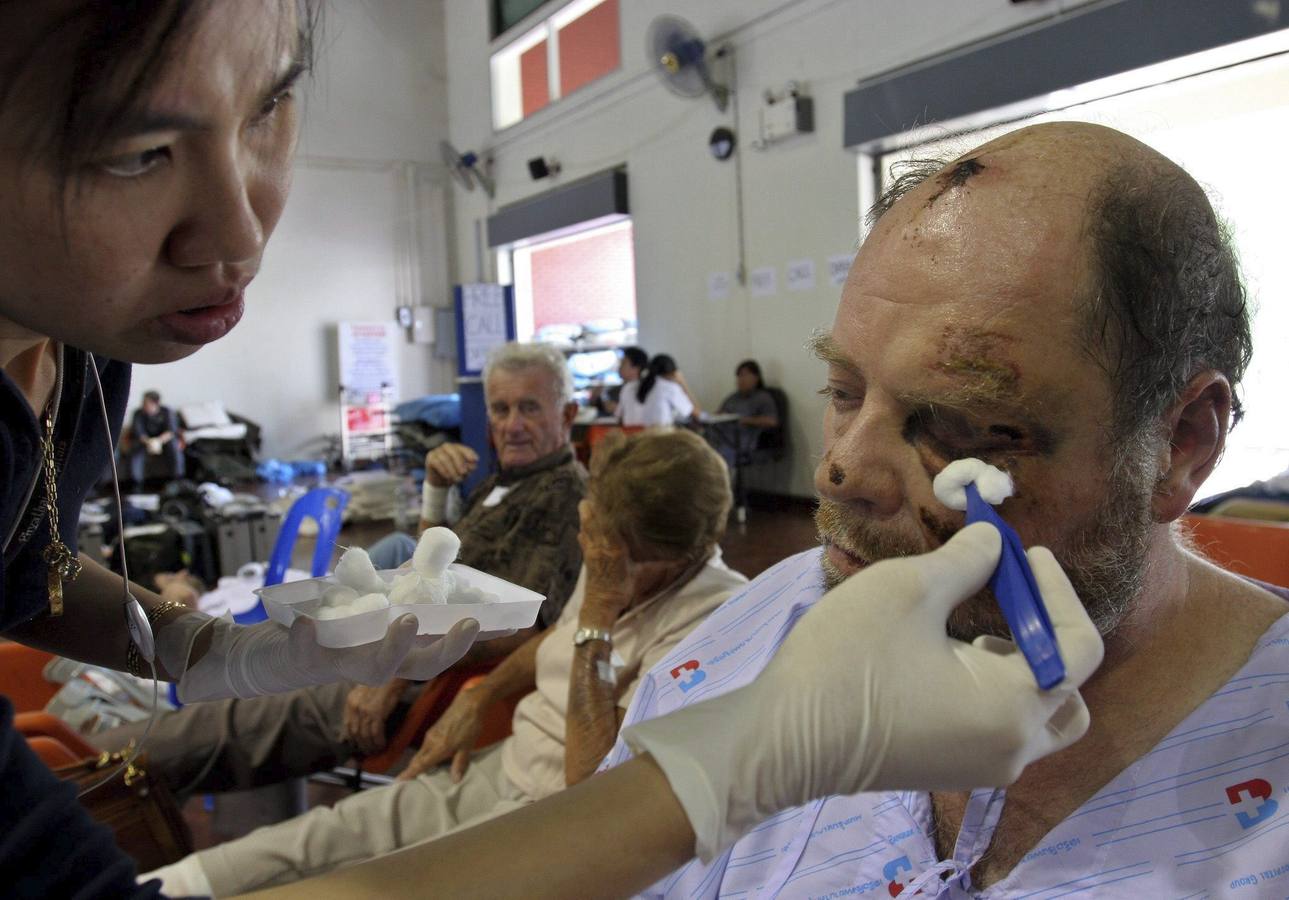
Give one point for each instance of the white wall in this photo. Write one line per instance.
(800, 197)
(363, 232)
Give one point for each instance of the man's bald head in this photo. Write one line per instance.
(1160, 297)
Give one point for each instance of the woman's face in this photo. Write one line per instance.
(158, 236)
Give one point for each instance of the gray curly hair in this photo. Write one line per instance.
(515, 356)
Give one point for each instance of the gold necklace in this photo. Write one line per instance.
(62, 563)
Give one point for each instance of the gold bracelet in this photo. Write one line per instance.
(133, 658)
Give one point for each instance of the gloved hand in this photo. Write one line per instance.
(868, 692)
(247, 661)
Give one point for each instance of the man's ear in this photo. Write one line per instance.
(569, 415)
(1197, 426)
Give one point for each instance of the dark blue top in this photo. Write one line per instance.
(49, 846)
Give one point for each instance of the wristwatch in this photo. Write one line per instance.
(582, 635)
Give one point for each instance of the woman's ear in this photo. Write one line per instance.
(1197, 425)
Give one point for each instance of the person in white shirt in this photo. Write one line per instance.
(661, 397)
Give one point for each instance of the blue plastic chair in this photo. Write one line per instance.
(326, 506)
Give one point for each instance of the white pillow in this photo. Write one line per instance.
(201, 415)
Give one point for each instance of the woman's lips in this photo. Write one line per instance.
(204, 324)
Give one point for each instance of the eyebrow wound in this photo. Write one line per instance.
(975, 356)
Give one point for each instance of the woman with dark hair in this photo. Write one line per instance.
(145, 156)
(756, 409)
(630, 367)
(661, 397)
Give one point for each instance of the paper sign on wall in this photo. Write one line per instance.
(839, 268)
(799, 275)
(718, 285)
(483, 314)
(764, 282)
(369, 356)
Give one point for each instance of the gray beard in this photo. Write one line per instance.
(1105, 560)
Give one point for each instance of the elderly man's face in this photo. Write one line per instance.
(957, 335)
(525, 415)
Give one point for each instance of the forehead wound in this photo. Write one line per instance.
(955, 176)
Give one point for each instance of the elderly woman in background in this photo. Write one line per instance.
(652, 570)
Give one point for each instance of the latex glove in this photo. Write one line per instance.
(868, 692)
(247, 661)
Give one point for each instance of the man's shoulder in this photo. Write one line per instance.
(772, 598)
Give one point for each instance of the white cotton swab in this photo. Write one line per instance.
(950, 485)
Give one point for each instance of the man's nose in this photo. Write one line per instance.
(860, 467)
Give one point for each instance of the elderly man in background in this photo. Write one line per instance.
(520, 524)
(1060, 302)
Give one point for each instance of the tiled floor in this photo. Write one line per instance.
(772, 531)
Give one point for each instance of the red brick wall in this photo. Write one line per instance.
(591, 278)
(534, 80)
(588, 48)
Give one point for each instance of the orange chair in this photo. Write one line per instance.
(1247, 547)
(596, 433)
(424, 712)
(42, 725)
(52, 752)
(21, 678)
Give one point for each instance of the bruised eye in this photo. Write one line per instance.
(133, 165)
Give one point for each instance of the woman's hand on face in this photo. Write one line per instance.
(610, 572)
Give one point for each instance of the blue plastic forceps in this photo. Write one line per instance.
(1017, 592)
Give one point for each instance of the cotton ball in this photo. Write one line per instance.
(368, 603)
(469, 595)
(332, 612)
(994, 484)
(412, 588)
(338, 595)
(356, 571)
(406, 589)
(435, 551)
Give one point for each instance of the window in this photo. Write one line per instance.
(506, 14)
(576, 45)
(1212, 124)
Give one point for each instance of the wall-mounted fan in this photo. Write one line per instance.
(680, 57)
(466, 169)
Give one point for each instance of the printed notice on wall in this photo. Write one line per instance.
(369, 356)
(483, 317)
(763, 282)
(839, 268)
(718, 285)
(799, 275)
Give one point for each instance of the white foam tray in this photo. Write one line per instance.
(516, 608)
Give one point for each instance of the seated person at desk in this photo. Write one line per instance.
(1022, 327)
(650, 528)
(154, 431)
(630, 367)
(519, 524)
(661, 397)
(755, 408)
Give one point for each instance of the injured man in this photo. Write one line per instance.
(1061, 303)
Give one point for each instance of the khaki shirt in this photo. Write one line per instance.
(533, 756)
(529, 536)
